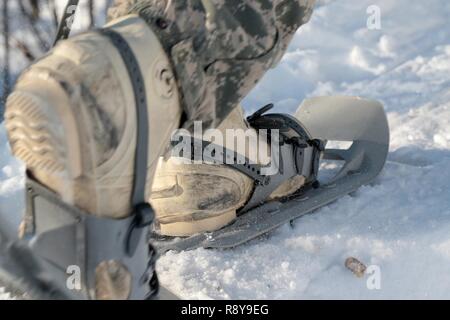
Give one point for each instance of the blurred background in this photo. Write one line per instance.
(28, 29)
(335, 53)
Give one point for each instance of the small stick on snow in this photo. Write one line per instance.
(357, 267)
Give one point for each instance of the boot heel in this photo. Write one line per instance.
(30, 134)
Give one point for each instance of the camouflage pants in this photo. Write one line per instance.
(219, 49)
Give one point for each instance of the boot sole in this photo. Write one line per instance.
(30, 136)
(36, 140)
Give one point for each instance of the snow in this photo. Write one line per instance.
(400, 223)
(4, 295)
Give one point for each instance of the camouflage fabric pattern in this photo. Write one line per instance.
(220, 49)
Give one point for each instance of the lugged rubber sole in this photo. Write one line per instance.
(30, 133)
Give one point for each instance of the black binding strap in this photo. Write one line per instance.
(142, 210)
(298, 155)
(138, 84)
(65, 25)
(142, 139)
(223, 155)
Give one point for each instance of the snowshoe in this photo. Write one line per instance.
(321, 121)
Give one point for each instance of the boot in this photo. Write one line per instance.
(196, 198)
(72, 117)
(90, 120)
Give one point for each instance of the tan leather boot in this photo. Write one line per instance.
(195, 198)
(72, 117)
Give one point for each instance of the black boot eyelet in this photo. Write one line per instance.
(162, 23)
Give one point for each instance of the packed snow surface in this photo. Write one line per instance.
(399, 225)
